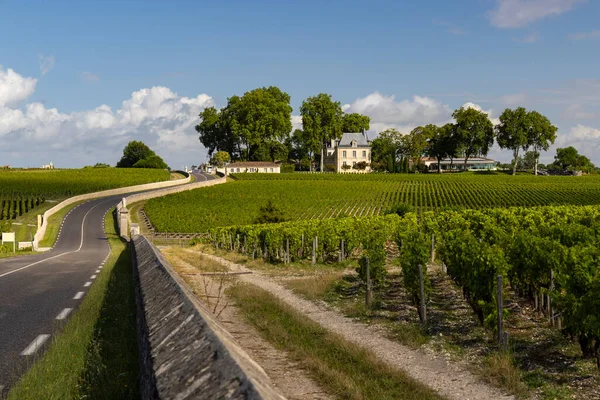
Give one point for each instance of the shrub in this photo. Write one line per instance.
(269, 214)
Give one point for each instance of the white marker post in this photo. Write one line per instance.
(8, 237)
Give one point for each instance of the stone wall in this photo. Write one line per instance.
(184, 351)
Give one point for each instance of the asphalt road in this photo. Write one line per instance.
(38, 293)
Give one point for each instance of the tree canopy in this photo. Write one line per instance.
(568, 158)
(541, 134)
(474, 131)
(137, 155)
(355, 122)
(513, 132)
(220, 158)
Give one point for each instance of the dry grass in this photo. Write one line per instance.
(313, 287)
(499, 370)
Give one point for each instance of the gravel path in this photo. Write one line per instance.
(445, 377)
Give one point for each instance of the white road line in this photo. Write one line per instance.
(78, 295)
(36, 344)
(63, 314)
(87, 284)
(62, 254)
(93, 276)
(97, 271)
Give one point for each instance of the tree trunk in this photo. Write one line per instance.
(439, 165)
(322, 160)
(465, 164)
(451, 163)
(537, 161)
(516, 158)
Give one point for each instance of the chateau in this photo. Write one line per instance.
(349, 154)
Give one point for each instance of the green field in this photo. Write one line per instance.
(24, 190)
(320, 196)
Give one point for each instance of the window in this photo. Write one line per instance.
(344, 154)
(265, 170)
(353, 143)
(354, 154)
(353, 163)
(271, 169)
(238, 170)
(345, 163)
(364, 153)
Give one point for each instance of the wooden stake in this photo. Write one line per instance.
(423, 313)
(369, 291)
(500, 308)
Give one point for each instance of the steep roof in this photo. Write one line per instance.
(252, 164)
(347, 138)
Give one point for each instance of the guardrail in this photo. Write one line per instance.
(41, 231)
(184, 350)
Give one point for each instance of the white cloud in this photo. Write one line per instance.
(477, 107)
(595, 34)
(519, 13)
(528, 39)
(159, 117)
(404, 115)
(90, 77)
(296, 122)
(585, 139)
(14, 88)
(514, 99)
(46, 63)
(578, 111)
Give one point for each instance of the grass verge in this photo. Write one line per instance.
(344, 369)
(95, 356)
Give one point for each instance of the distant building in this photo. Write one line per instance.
(457, 164)
(48, 166)
(263, 167)
(343, 155)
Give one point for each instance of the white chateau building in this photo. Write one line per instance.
(343, 155)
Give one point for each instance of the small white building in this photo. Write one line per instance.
(343, 155)
(457, 164)
(48, 166)
(263, 167)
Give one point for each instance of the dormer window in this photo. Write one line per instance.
(353, 143)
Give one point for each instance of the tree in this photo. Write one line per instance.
(568, 159)
(439, 143)
(361, 165)
(474, 131)
(269, 214)
(134, 154)
(385, 150)
(417, 142)
(220, 158)
(512, 132)
(355, 122)
(261, 117)
(321, 122)
(541, 134)
(529, 159)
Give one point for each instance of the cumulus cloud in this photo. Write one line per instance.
(14, 88)
(404, 115)
(578, 111)
(46, 63)
(585, 139)
(519, 13)
(89, 77)
(158, 116)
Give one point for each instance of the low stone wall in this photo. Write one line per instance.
(41, 231)
(184, 351)
(123, 217)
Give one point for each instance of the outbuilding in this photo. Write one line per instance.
(263, 167)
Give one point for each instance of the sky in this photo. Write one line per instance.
(78, 80)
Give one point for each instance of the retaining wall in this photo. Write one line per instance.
(184, 351)
(39, 235)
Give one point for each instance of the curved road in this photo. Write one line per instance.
(39, 292)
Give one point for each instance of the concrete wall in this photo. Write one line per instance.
(184, 351)
(41, 231)
(123, 218)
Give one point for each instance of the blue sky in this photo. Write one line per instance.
(80, 79)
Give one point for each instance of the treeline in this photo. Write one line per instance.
(257, 127)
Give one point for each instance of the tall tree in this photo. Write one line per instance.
(568, 158)
(261, 117)
(385, 150)
(321, 122)
(137, 155)
(416, 143)
(355, 122)
(439, 144)
(474, 131)
(541, 134)
(512, 132)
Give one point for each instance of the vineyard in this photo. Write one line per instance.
(548, 255)
(23, 190)
(323, 196)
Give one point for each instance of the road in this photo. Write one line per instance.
(38, 293)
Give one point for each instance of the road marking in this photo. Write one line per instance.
(78, 295)
(98, 271)
(63, 314)
(87, 284)
(93, 276)
(62, 254)
(36, 344)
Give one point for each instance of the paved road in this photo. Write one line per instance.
(38, 293)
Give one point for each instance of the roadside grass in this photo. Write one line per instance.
(176, 175)
(24, 232)
(95, 356)
(201, 263)
(499, 369)
(314, 287)
(54, 224)
(342, 368)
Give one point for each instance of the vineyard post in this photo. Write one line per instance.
(237, 246)
(369, 291)
(432, 247)
(422, 294)
(550, 311)
(231, 242)
(500, 307)
(314, 252)
(287, 249)
(302, 248)
(245, 248)
(343, 252)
